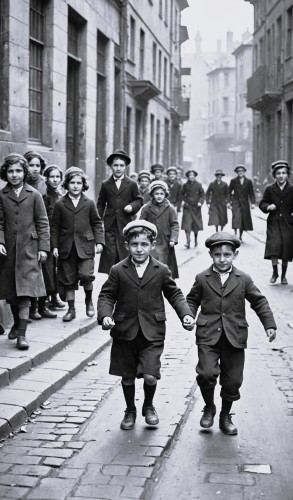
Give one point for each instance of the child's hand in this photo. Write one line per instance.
(99, 248)
(271, 207)
(108, 323)
(128, 209)
(42, 256)
(188, 322)
(55, 252)
(271, 334)
(2, 250)
(252, 206)
(171, 243)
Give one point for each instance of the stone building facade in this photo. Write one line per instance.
(79, 79)
(270, 88)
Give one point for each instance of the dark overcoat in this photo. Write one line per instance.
(134, 303)
(192, 194)
(111, 204)
(39, 184)
(145, 195)
(50, 266)
(175, 194)
(241, 195)
(80, 225)
(24, 230)
(217, 197)
(165, 219)
(225, 310)
(279, 242)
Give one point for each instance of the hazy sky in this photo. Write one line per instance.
(213, 18)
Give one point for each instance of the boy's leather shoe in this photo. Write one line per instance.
(89, 309)
(207, 419)
(274, 278)
(34, 314)
(70, 315)
(22, 343)
(284, 280)
(46, 313)
(226, 424)
(129, 420)
(13, 334)
(150, 414)
(56, 304)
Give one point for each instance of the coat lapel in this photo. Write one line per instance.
(150, 272)
(130, 271)
(212, 281)
(123, 185)
(81, 203)
(68, 203)
(232, 282)
(23, 195)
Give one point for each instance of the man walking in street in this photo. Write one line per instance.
(242, 198)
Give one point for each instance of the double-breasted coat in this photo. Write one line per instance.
(50, 266)
(279, 242)
(164, 217)
(217, 197)
(81, 226)
(134, 303)
(175, 193)
(192, 194)
(110, 205)
(24, 230)
(225, 310)
(241, 196)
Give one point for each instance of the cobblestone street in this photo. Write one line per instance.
(72, 446)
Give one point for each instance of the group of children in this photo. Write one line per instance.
(136, 254)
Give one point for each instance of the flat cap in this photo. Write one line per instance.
(221, 238)
(48, 169)
(73, 170)
(219, 172)
(159, 184)
(280, 164)
(140, 223)
(240, 166)
(144, 173)
(121, 154)
(171, 169)
(156, 166)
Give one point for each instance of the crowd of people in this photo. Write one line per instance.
(50, 232)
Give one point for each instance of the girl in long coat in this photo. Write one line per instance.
(162, 213)
(241, 195)
(24, 243)
(217, 198)
(277, 201)
(193, 197)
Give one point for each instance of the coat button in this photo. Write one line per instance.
(223, 314)
(219, 329)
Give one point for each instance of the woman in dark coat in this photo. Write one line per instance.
(277, 201)
(24, 244)
(217, 199)
(162, 213)
(193, 197)
(241, 195)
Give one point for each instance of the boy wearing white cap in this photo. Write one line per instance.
(131, 305)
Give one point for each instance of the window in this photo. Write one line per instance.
(289, 31)
(152, 137)
(161, 9)
(101, 109)
(141, 53)
(166, 11)
(160, 70)
(4, 66)
(132, 40)
(279, 39)
(36, 48)
(128, 128)
(158, 140)
(154, 63)
(225, 105)
(226, 79)
(166, 141)
(165, 75)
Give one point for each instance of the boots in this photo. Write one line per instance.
(34, 313)
(187, 245)
(13, 334)
(56, 303)
(226, 425)
(283, 275)
(275, 274)
(22, 343)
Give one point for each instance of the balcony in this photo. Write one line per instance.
(264, 88)
(180, 106)
(143, 90)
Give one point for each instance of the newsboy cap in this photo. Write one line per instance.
(159, 184)
(219, 172)
(73, 170)
(144, 173)
(280, 164)
(240, 166)
(156, 166)
(140, 223)
(121, 154)
(49, 168)
(172, 169)
(221, 238)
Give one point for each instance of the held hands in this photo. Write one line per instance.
(42, 256)
(271, 207)
(199, 204)
(128, 209)
(252, 206)
(99, 248)
(3, 250)
(271, 334)
(188, 322)
(229, 206)
(108, 323)
(55, 252)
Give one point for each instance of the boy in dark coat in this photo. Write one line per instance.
(241, 194)
(221, 332)
(118, 202)
(131, 305)
(193, 197)
(175, 188)
(76, 234)
(144, 180)
(217, 196)
(277, 201)
(163, 214)
(24, 244)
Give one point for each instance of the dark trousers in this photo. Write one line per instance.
(224, 360)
